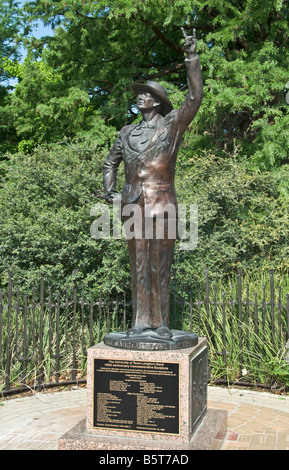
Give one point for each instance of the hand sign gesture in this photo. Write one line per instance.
(190, 45)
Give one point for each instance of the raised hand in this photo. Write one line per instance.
(190, 45)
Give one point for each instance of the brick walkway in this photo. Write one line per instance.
(38, 421)
(256, 420)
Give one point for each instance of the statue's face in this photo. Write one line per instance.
(145, 101)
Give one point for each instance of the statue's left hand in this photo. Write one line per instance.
(109, 196)
(190, 45)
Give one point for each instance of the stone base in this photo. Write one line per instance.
(147, 400)
(127, 390)
(206, 437)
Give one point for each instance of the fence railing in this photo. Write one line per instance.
(44, 335)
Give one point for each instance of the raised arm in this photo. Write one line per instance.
(190, 107)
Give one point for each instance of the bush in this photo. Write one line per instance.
(46, 198)
(243, 219)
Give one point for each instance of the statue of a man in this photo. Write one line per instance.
(149, 151)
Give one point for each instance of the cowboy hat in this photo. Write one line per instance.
(156, 90)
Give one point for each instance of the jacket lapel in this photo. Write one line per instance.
(144, 136)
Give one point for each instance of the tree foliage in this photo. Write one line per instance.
(243, 217)
(47, 197)
(102, 48)
(11, 23)
(46, 200)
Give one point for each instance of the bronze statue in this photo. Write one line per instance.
(149, 151)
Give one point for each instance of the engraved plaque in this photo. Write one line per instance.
(136, 396)
(199, 387)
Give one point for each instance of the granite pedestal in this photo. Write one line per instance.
(146, 400)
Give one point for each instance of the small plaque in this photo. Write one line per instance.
(199, 385)
(136, 396)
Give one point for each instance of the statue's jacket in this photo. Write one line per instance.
(149, 150)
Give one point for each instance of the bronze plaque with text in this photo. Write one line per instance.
(136, 396)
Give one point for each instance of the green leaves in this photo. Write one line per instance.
(242, 219)
(45, 205)
(10, 23)
(98, 51)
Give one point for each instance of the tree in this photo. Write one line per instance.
(45, 108)
(11, 24)
(103, 47)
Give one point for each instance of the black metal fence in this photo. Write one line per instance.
(44, 336)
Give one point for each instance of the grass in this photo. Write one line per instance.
(48, 343)
(247, 346)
